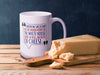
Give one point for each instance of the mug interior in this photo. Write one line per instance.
(36, 13)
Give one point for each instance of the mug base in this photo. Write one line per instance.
(27, 57)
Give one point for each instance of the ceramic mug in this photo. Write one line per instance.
(36, 32)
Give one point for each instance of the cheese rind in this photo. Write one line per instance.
(79, 45)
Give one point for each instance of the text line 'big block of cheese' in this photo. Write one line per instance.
(79, 45)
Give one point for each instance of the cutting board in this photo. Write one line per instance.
(12, 64)
(38, 61)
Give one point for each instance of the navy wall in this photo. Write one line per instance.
(80, 16)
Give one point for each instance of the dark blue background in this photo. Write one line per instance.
(80, 16)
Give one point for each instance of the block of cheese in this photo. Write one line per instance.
(55, 65)
(79, 45)
(66, 56)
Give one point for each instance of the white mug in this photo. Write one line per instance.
(36, 32)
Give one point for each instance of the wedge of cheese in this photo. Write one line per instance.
(79, 45)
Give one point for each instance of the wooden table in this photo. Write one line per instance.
(12, 64)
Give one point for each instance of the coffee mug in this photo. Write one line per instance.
(36, 32)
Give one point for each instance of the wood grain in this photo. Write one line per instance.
(46, 67)
(49, 72)
(9, 46)
(9, 51)
(11, 58)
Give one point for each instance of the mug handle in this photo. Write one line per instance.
(63, 25)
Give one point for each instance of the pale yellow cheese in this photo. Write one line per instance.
(55, 65)
(79, 45)
(66, 56)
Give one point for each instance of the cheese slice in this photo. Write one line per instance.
(79, 45)
(55, 65)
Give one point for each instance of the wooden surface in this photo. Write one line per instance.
(12, 64)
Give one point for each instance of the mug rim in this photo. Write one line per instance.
(36, 13)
